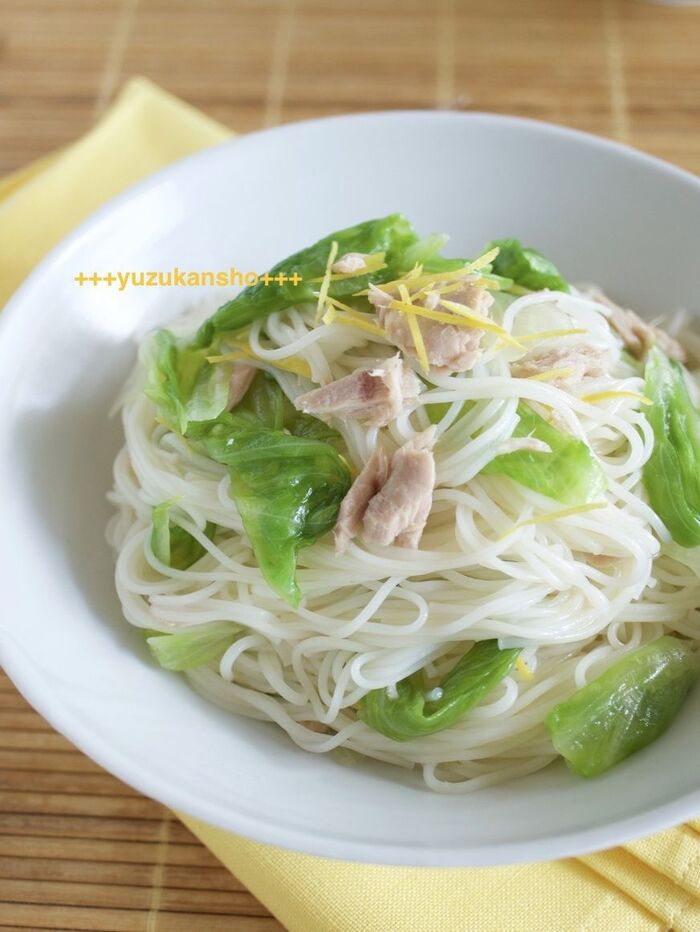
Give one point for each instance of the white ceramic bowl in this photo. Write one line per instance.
(601, 211)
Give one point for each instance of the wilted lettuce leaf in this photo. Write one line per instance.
(266, 404)
(525, 266)
(672, 473)
(182, 384)
(172, 544)
(287, 490)
(391, 235)
(186, 650)
(569, 474)
(625, 708)
(410, 715)
(425, 250)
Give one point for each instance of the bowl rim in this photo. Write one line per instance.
(19, 666)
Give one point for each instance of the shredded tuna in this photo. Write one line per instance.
(449, 348)
(579, 361)
(524, 443)
(400, 509)
(375, 396)
(353, 507)
(638, 335)
(241, 377)
(378, 298)
(350, 262)
(475, 297)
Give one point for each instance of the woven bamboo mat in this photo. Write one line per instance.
(78, 849)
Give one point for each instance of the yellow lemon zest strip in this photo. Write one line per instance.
(374, 262)
(603, 396)
(485, 259)
(463, 310)
(447, 289)
(294, 364)
(463, 313)
(405, 296)
(414, 327)
(335, 303)
(549, 334)
(325, 283)
(414, 277)
(443, 318)
(425, 291)
(550, 516)
(351, 319)
(417, 279)
(330, 314)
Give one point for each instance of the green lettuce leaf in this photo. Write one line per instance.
(410, 715)
(426, 249)
(526, 267)
(310, 428)
(287, 490)
(570, 473)
(209, 396)
(288, 476)
(172, 544)
(266, 404)
(626, 708)
(391, 235)
(672, 473)
(186, 650)
(182, 384)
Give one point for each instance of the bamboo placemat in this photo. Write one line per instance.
(79, 849)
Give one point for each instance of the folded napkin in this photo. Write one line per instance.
(653, 884)
(143, 130)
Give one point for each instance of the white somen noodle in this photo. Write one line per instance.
(575, 592)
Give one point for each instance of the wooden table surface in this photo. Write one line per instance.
(79, 849)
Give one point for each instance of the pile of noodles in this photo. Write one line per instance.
(496, 560)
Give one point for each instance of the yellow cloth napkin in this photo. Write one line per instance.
(143, 130)
(653, 884)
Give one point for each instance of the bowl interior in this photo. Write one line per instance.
(602, 212)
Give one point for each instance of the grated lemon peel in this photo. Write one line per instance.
(374, 262)
(351, 318)
(523, 669)
(550, 334)
(418, 279)
(471, 321)
(293, 364)
(414, 327)
(549, 516)
(604, 396)
(325, 282)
